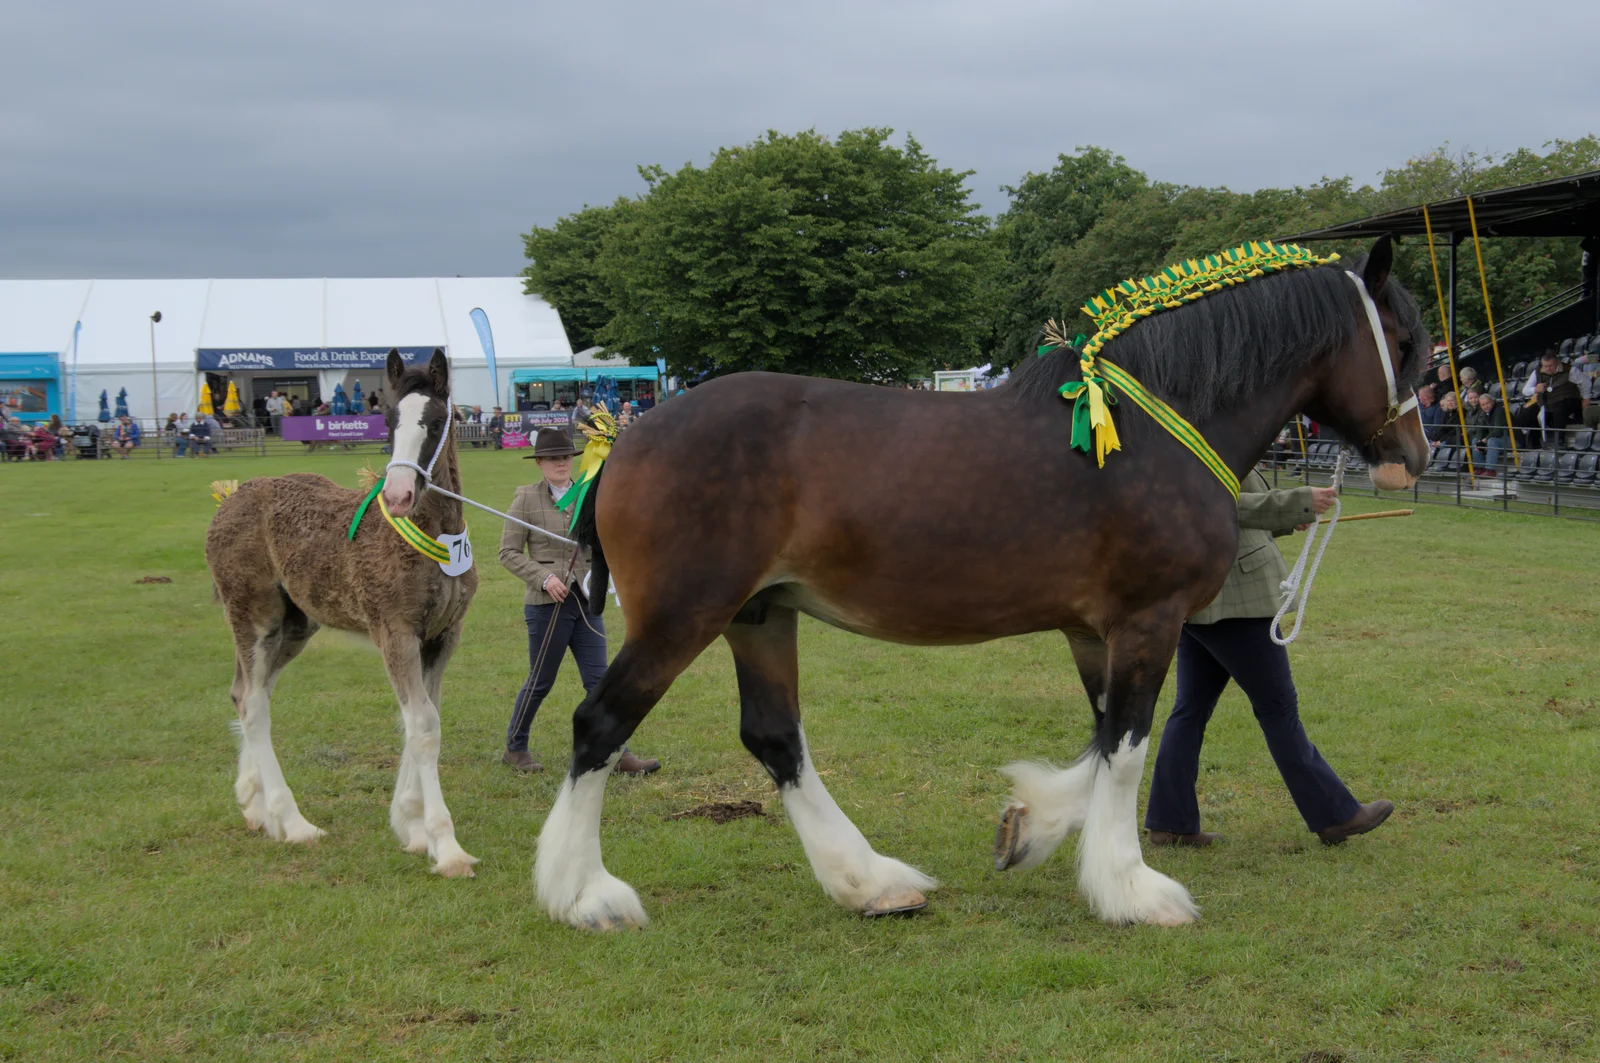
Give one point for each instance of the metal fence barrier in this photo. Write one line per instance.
(1559, 479)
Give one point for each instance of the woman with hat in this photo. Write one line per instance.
(554, 606)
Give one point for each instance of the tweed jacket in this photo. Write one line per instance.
(1252, 587)
(532, 557)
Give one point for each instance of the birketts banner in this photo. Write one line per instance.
(347, 428)
(223, 359)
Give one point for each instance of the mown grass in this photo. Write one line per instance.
(1449, 664)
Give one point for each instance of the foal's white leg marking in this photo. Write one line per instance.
(568, 875)
(261, 788)
(1111, 870)
(1055, 802)
(438, 831)
(405, 811)
(845, 864)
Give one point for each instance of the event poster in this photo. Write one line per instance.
(522, 427)
(23, 396)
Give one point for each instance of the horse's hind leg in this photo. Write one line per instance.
(261, 650)
(1050, 803)
(1111, 870)
(851, 873)
(415, 671)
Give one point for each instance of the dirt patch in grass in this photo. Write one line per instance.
(153, 579)
(723, 811)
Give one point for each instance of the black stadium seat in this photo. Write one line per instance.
(1545, 470)
(1587, 466)
(1582, 439)
(1566, 467)
(1530, 464)
(1565, 350)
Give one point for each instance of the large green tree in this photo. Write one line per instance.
(847, 257)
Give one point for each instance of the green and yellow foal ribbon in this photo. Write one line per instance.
(415, 537)
(601, 436)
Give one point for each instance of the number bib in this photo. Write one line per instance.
(460, 548)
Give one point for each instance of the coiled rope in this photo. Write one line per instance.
(1297, 588)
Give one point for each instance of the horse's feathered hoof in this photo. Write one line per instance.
(1009, 848)
(902, 901)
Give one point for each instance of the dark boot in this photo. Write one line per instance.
(633, 765)
(522, 761)
(1197, 840)
(1372, 815)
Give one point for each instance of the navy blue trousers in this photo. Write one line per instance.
(1208, 656)
(568, 629)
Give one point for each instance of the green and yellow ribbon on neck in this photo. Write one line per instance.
(414, 537)
(1116, 309)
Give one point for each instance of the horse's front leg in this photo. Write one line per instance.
(1111, 870)
(418, 814)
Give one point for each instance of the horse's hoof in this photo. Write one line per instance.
(302, 833)
(1009, 848)
(604, 922)
(902, 901)
(457, 868)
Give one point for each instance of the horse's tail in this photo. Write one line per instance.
(587, 534)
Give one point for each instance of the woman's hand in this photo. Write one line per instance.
(555, 588)
(1322, 499)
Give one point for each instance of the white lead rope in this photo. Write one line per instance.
(1297, 588)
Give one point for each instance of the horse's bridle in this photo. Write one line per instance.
(1397, 409)
(449, 415)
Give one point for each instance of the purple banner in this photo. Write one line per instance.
(351, 427)
(521, 427)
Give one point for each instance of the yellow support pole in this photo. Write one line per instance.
(1305, 459)
(1494, 341)
(1450, 349)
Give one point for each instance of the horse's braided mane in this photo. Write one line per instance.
(1214, 352)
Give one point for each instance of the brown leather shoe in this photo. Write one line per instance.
(632, 765)
(522, 761)
(1372, 815)
(1198, 840)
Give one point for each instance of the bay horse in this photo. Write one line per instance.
(944, 519)
(285, 565)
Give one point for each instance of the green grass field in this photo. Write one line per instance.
(1448, 664)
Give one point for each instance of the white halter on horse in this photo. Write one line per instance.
(1297, 588)
(426, 475)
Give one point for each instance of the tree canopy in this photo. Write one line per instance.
(846, 257)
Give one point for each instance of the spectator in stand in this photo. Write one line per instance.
(12, 442)
(497, 428)
(624, 415)
(1442, 385)
(126, 437)
(180, 435)
(200, 436)
(373, 401)
(475, 417)
(1432, 416)
(1449, 421)
(1554, 399)
(276, 408)
(41, 444)
(61, 433)
(1486, 430)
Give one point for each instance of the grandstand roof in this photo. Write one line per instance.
(38, 316)
(1565, 206)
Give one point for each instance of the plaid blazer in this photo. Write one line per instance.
(544, 556)
(1252, 587)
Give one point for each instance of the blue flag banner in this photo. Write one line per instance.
(222, 359)
(486, 337)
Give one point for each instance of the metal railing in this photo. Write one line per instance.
(1559, 479)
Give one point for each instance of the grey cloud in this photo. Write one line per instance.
(366, 138)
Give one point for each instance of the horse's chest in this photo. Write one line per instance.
(447, 601)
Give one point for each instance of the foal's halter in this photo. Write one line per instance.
(429, 485)
(1397, 409)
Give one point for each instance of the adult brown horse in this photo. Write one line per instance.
(853, 503)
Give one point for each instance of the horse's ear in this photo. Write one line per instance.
(396, 368)
(1375, 274)
(439, 372)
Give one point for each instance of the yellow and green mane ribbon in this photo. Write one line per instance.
(1092, 399)
(602, 432)
(415, 537)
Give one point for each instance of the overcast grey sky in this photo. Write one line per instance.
(393, 138)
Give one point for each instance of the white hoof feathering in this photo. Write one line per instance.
(850, 872)
(1112, 873)
(1053, 802)
(571, 881)
(452, 861)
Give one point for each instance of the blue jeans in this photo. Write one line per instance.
(1491, 460)
(1208, 656)
(567, 628)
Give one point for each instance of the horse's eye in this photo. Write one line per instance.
(1407, 346)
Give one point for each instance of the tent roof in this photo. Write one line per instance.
(38, 315)
(1565, 206)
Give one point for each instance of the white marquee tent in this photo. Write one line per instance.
(112, 349)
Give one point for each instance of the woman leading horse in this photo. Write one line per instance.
(845, 502)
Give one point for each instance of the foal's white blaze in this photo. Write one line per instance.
(1111, 870)
(409, 437)
(845, 864)
(568, 875)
